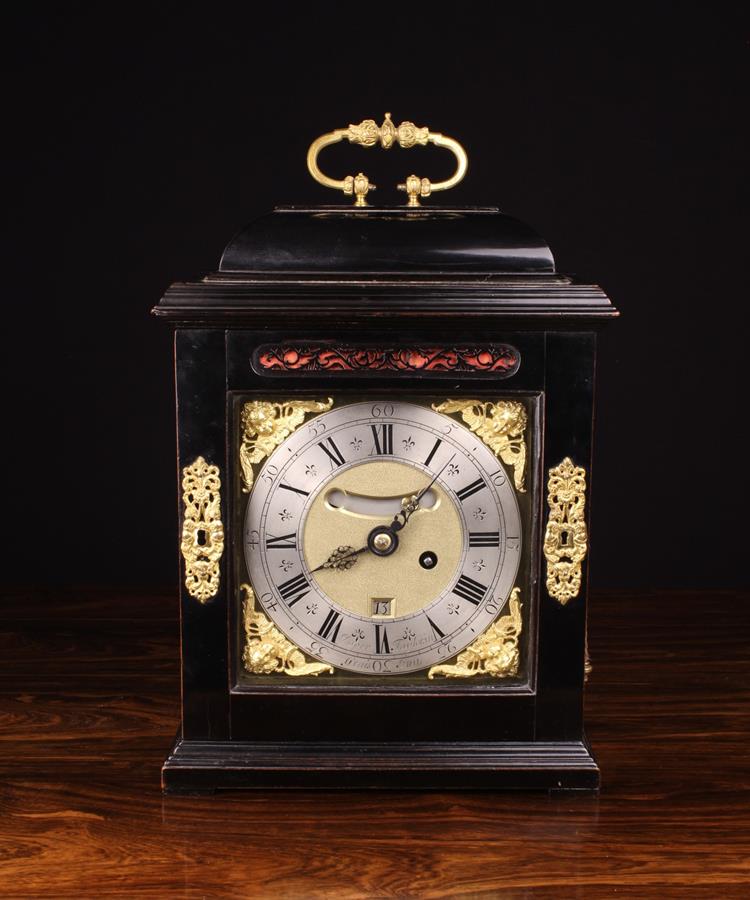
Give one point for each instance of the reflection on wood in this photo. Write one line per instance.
(89, 705)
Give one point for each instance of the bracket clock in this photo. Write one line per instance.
(384, 456)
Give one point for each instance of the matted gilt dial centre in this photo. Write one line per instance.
(389, 567)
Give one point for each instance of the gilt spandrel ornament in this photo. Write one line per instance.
(267, 651)
(494, 653)
(501, 425)
(265, 425)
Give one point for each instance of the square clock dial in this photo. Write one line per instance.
(385, 537)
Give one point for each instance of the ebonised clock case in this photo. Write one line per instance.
(383, 278)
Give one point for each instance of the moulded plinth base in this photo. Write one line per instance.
(206, 766)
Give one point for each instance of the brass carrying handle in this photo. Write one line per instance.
(368, 134)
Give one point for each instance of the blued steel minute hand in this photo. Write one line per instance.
(401, 518)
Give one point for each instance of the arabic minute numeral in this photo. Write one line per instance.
(268, 602)
(269, 473)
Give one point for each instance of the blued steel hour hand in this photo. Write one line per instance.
(381, 541)
(341, 559)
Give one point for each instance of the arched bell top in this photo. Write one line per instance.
(399, 240)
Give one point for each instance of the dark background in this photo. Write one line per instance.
(141, 142)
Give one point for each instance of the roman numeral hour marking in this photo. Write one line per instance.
(434, 627)
(470, 489)
(470, 590)
(484, 538)
(382, 435)
(288, 487)
(381, 640)
(434, 450)
(298, 585)
(332, 452)
(329, 630)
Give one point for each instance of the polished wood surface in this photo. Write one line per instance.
(89, 694)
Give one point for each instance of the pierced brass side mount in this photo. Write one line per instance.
(368, 134)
